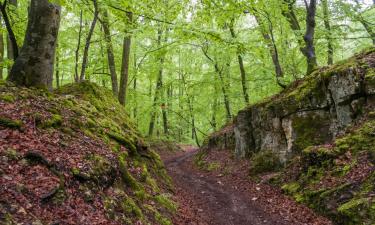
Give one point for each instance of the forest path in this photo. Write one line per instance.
(203, 199)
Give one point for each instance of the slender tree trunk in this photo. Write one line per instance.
(1, 53)
(76, 76)
(125, 64)
(158, 94)
(88, 42)
(270, 42)
(34, 66)
(327, 26)
(57, 70)
(110, 54)
(12, 46)
(309, 49)
(242, 69)
(191, 111)
(224, 91)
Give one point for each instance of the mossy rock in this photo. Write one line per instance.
(264, 161)
(99, 171)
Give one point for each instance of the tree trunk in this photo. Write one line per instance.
(270, 42)
(194, 134)
(242, 69)
(224, 91)
(327, 26)
(309, 49)
(57, 71)
(12, 46)
(110, 54)
(88, 41)
(76, 76)
(125, 64)
(1, 53)
(34, 66)
(158, 94)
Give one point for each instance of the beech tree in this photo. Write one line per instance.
(35, 64)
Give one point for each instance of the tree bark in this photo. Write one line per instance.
(88, 42)
(158, 94)
(242, 69)
(12, 46)
(270, 42)
(219, 72)
(125, 64)
(57, 71)
(34, 66)
(76, 75)
(110, 54)
(309, 49)
(327, 25)
(1, 53)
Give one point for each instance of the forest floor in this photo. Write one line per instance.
(225, 195)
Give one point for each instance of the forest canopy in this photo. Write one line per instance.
(183, 68)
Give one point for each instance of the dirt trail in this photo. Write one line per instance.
(210, 201)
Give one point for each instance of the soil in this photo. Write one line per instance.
(229, 197)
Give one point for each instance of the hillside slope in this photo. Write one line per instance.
(318, 135)
(74, 157)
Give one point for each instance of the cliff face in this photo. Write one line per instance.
(311, 112)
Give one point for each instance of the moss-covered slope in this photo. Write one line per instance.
(74, 157)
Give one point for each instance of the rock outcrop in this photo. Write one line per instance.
(310, 112)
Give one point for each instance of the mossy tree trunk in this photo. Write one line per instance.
(34, 66)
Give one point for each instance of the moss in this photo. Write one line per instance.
(54, 121)
(123, 141)
(213, 166)
(12, 154)
(356, 209)
(166, 202)
(130, 207)
(9, 123)
(126, 176)
(310, 130)
(7, 97)
(264, 161)
(158, 217)
(291, 188)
